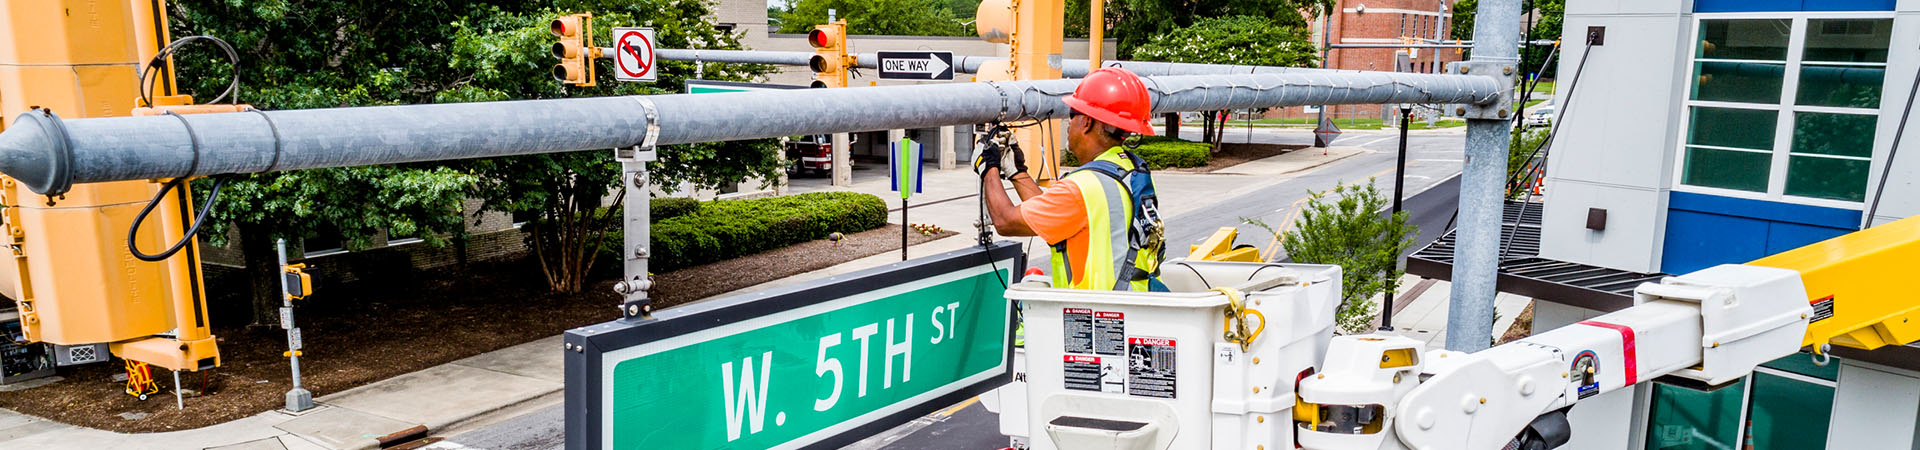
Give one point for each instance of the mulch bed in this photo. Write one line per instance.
(1522, 326)
(383, 326)
(1232, 154)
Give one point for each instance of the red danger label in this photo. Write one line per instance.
(1109, 315)
(1078, 311)
(1150, 341)
(1082, 359)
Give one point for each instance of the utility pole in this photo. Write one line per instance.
(1476, 266)
(1399, 191)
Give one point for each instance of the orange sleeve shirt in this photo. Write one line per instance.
(1059, 214)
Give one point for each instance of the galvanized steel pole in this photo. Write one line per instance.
(48, 154)
(1496, 37)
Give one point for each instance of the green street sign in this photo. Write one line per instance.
(816, 365)
(720, 87)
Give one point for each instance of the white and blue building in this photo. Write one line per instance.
(1706, 132)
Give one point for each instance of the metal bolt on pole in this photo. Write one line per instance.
(298, 399)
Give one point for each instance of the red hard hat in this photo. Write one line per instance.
(1113, 96)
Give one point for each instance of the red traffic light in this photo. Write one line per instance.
(565, 26)
(821, 38)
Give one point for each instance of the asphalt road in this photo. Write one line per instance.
(1433, 162)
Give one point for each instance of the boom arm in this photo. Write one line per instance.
(1714, 326)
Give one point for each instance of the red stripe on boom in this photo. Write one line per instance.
(1631, 358)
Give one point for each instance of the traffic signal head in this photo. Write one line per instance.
(829, 62)
(576, 42)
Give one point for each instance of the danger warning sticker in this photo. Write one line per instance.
(1822, 309)
(1078, 324)
(1150, 367)
(1110, 333)
(1082, 372)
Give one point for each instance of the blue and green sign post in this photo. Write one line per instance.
(904, 170)
(815, 365)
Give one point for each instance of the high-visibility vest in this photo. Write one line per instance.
(1109, 209)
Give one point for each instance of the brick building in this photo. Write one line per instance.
(1381, 22)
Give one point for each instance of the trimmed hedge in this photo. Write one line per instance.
(1162, 152)
(671, 207)
(726, 229)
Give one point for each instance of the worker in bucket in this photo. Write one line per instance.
(1102, 220)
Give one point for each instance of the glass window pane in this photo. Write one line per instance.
(1853, 86)
(1731, 127)
(1789, 414)
(1848, 40)
(1726, 169)
(1729, 81)
(1686, 419)
(1761, 39)
(1828, 178)
(1834, 134)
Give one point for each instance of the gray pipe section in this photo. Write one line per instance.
(1071, 68)
(48, 154)
(1482, 184)
(732, 56)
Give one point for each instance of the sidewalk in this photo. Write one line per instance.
(1421, 314)
(488, 387)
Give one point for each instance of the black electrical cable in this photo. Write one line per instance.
(1203, 278)
(1887, 169)
(232, 94)
(213, 197)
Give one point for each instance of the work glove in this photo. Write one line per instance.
(997, 148)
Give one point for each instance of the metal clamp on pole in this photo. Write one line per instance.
(635, 281)
(1500, 108)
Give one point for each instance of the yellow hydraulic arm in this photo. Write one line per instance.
(1857, 286)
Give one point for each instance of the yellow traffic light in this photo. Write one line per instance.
(830, 61)
(574, 49)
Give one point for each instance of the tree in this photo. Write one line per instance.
(1245, 40)
(1136, 22)
(1546, 27)
(1345, 226)
(886, 17)
(505, 57)
(317, 54)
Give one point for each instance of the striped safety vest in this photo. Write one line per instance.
(1109, 211)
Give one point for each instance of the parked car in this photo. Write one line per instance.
(810, 153)
(1539, 118)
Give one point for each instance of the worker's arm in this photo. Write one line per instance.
(1024, 185)
(1006, 217)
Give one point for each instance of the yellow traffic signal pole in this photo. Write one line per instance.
(71, 275)
(1032, 29)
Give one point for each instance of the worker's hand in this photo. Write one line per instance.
(1014, 162)
(986, 155)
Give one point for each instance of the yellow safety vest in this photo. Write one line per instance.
(1109, 211)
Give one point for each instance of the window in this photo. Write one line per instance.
(1784, 404)
(1784, 108)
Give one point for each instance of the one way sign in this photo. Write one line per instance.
(916, 65)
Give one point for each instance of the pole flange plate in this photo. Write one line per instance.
(1501, 108)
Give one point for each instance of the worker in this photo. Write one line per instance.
(1101, 220)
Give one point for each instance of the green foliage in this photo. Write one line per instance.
(726, 229)
(1344, 226)
(1524, 141)
(358, 202)
(670, 207)
(1547, 27)
(1245, 40)
(1162, 152)
(505, 57)
(888, 17)
(1136, 22)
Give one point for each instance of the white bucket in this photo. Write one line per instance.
(1154, 370)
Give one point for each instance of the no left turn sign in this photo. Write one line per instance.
(633, 54)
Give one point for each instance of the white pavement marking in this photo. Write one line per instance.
(449, 445)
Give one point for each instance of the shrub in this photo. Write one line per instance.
(671, 207)
(1161, 152)
(726, 229)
